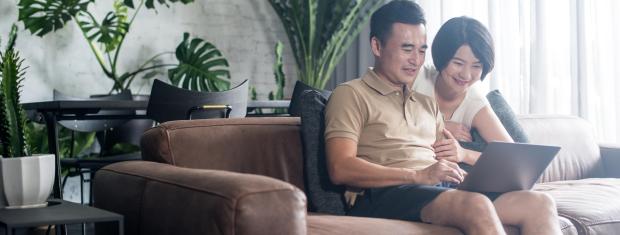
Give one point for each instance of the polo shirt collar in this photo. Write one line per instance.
(376, 83)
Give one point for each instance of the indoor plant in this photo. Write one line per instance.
(26, 179)
(320, 32)
(200, 65)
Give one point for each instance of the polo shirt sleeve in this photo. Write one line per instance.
(344, 115)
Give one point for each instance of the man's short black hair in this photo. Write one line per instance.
(398, 11)
(460, 31)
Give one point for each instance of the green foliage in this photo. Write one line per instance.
(201, 66)
(320, 32)
(278, 73)
(44, 16)
(12, 116)
(37, 140)
(106, 37)
(112, 29)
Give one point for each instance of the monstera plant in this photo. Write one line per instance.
(320, 32)
(200, 66)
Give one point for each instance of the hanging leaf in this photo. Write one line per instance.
(44, 16)
(109, 32)
(150, 4)
(201, 66)
(150, 74)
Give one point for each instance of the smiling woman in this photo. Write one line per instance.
(463, 53)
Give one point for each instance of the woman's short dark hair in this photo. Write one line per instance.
(398, 11)
(460, 31)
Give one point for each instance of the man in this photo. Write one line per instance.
(383, 141)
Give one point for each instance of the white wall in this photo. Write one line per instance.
(245, 32)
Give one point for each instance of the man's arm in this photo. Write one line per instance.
(346, 168)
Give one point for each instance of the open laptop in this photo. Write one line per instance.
(505, 167)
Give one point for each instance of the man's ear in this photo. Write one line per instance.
(375, 45)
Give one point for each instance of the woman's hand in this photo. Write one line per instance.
(459, 131)
(449, 148)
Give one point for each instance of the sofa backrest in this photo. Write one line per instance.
(580, 155)
(272, 146)
(264, 146)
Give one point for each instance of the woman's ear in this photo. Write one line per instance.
(375, 45)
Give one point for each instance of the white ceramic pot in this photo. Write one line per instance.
(27, 181)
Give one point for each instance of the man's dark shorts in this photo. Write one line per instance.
(402, 202)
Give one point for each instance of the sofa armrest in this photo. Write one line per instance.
(158, 198)
(611, 160)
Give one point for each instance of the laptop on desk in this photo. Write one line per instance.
(504, 167)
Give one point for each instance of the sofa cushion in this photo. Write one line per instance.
(327, 224)
(590, 204)
(294, 109)
(323, 196)
(579, 157)
(508, 118)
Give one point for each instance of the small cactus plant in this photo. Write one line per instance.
(12, 116)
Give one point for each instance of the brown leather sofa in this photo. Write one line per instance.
(244, 176)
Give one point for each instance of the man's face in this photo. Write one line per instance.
(400, 57)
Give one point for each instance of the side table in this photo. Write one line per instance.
(57, 212)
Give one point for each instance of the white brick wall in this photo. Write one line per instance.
(245, 31)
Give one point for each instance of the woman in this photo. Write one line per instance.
(463, 54)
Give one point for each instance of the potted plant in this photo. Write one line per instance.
(200, 66)
(25, 180)
(320, 31)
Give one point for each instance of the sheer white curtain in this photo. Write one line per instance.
(552, 57)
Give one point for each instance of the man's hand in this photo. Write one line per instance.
(459, 131)
(442, 171)
(449, 148)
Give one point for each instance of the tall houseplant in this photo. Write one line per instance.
(26, 181)
(320, 32)
(200, 65)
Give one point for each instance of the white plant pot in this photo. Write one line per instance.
(26, 181)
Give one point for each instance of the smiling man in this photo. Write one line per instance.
(383, 141)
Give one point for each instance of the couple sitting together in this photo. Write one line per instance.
(392, 140)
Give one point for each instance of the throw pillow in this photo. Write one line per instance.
(294, 109)
(323, 196)
(506, 116)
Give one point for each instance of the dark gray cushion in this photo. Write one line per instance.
(506, 116)
(294, 109)
(323, 196)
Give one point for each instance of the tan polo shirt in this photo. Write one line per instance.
(390, 130)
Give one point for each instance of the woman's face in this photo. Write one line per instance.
(463, 70)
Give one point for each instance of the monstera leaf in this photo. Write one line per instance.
(150, 3)
(201, 66)
(44, 16)
(109, 32)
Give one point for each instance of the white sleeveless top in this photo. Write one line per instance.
(474, 101)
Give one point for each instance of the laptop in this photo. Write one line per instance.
(504, 167)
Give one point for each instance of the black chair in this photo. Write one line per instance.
(108, 132)
(168, 103)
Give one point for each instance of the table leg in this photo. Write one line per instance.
(52, 142)
(121, 227)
